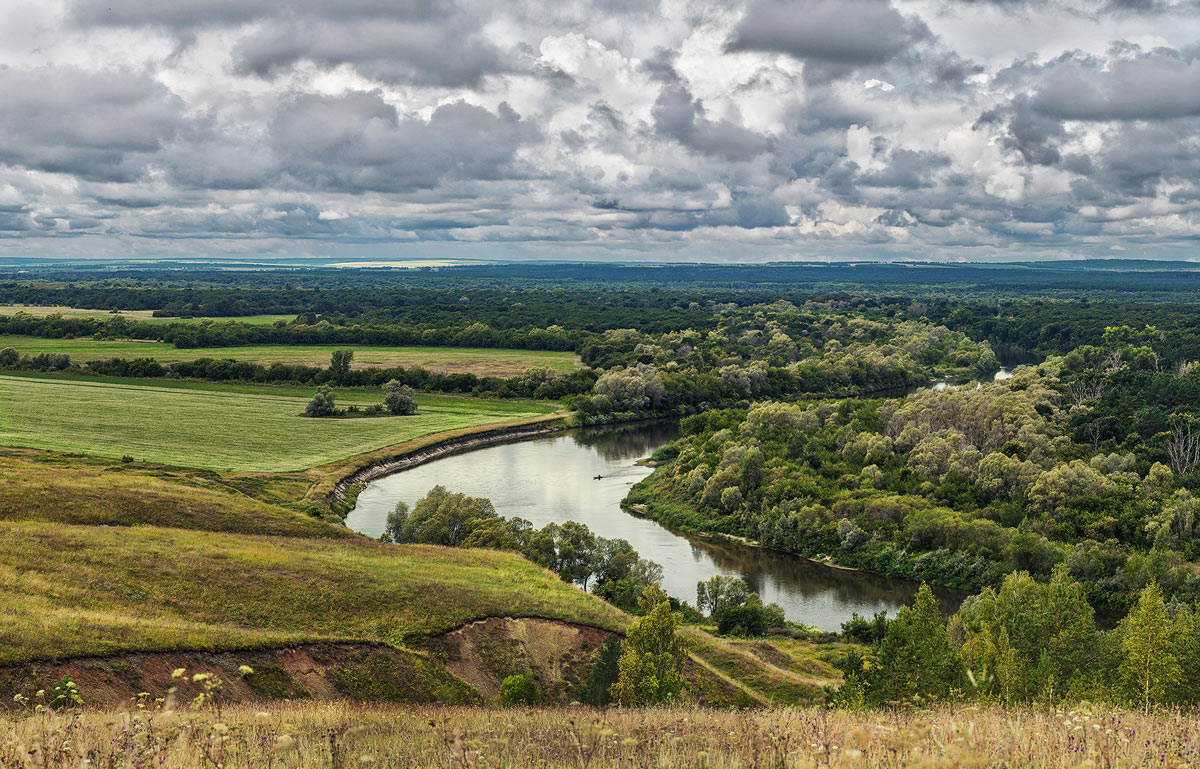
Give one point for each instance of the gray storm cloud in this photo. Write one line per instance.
(718, 129)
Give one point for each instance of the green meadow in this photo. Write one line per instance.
(255, 429)
(475, 360)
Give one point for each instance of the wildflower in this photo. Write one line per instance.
(245, 670)
(178, 672)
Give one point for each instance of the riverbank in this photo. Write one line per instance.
(407, 455)
(903, 572)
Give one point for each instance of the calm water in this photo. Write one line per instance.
(551, 480)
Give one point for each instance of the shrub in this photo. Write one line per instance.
(399, 398)
(518, 690)
(321, 404)
(747, 620)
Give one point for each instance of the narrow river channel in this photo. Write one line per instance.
(553, 479)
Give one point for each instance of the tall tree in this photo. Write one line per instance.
(917, 659)
(1148, 669)
(339, 364)
(652, 657)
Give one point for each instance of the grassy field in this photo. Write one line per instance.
(310, 735)
(42, 311)
(254, 429)
(94, 590)
(73, 489)
(481, 361)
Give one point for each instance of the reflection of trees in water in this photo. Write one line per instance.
(799, 576)
(630, 441)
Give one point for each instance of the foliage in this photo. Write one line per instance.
(1149, 669)
(520, 689)
(917, 662)
(321, 404)
(603, 674)
(651, 662)
(399, 399)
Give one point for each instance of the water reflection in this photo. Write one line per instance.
(553, 479)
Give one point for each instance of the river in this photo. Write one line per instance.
(553, 479)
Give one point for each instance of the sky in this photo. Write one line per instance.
(622, 130)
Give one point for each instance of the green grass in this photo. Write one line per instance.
(251, 429)
(71, 489)
(146, 316)
(475, 360)
(92, 590)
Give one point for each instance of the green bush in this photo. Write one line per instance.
(518, 690)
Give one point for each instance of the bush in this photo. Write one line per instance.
(399, 398)
(321, 404)
(9, 357)
(518, 690)
(746, 620)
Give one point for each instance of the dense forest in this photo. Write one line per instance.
(1087, 460)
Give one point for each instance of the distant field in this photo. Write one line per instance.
(255, 429)
(42, 311)
(451, 360)
(84, 590)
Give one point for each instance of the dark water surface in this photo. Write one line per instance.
(551, 480)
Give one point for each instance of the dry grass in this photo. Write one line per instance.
(342, 736)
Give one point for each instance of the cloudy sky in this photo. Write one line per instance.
(609, 129)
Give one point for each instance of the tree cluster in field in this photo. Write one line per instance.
(960, 486)
(398, 399)
(1026, 642)
(610, 567)
(45, 361)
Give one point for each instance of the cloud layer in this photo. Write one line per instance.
(747, 130)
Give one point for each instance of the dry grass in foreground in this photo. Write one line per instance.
(339, 735)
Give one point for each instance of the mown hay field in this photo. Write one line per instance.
(451, 360)
(253, 429)
(310, 735)
(147, 316)
(71, 591)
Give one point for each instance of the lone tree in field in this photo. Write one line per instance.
(652, 655)
(321, 404)
(339, 364)
(399, 398)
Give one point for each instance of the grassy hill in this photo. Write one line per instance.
(248, 429)
(74, 489)
(88, 590)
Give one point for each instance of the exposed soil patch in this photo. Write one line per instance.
(356, 672)
(558, 655)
